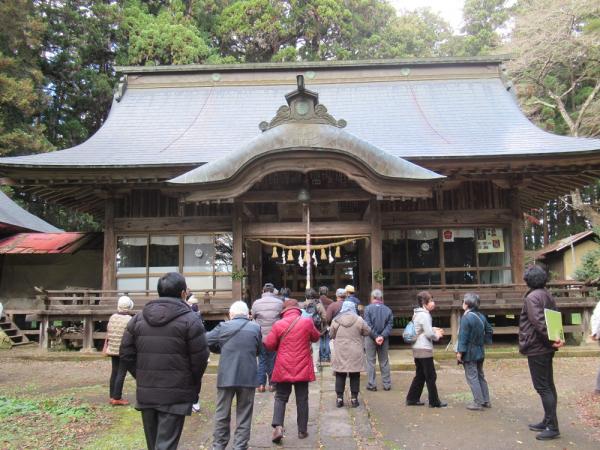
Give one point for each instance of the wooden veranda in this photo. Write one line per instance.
(502, 304)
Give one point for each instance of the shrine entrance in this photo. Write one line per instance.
(334, 267)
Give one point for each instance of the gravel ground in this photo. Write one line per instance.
(381, 422)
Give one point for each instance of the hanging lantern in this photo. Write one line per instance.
(274, 255)
(338, 253)
(323, 255)
(331, 258)
(290, 254)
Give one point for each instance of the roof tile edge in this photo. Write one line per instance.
(473, 60)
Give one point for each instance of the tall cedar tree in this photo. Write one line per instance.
(21, 94)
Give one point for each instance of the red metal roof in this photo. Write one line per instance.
(43, 243)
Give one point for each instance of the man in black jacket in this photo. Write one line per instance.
(165, 348)
(535, 344)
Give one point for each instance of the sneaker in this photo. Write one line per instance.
(547, 435)
(439, 405)
(119, 402)
(196, 407)
(261, 388)
(537, 426)
(372, 388)
(302, 434)
(339, 402)
(277, 434)
(389, 388)
(354, 402)
(417, 403)
(487, 405)
(474, 407)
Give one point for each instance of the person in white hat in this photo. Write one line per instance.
(114, 334)
(350, 296)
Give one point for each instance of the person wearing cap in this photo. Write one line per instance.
(114, 335)
(347, 331)
(353, 298)
(291, 338)
(237, 341)
(265, 312)
(350, 295)
(334, 308)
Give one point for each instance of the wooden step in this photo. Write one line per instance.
(16, 344)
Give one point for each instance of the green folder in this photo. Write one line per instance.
(554, 325)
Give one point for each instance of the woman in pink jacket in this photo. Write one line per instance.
(291, 337)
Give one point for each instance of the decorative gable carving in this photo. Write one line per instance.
(303, 107)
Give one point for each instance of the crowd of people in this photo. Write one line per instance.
(279, 345)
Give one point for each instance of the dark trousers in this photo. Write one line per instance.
(340, 383)
(162, 430)
(324, 351)
(425, 373)
(282, 396)
(117, 378)
(266, 361)
(542, 376)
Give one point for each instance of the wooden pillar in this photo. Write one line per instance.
(238, 245)
(88, 335)
(376, 256)
(454, 324)
(110, 247)
(586, 325)
(517, 256)
(364, 265)
(44, 338)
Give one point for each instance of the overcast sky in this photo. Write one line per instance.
(451, 10)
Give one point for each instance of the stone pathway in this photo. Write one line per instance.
(382, 421)
(329, 427)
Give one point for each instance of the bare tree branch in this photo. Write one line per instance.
(586, 104)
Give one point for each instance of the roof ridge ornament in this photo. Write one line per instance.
(302, 107)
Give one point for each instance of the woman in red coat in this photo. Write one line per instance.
(290, 337)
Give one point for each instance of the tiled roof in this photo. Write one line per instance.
(12, 214)
(162, 125)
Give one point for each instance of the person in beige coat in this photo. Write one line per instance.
(114, 334)
(347, 332)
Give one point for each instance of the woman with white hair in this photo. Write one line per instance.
(237, 341)
(114, 334)
(475, 331)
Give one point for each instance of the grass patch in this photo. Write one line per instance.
(126, 431)
(27, 423)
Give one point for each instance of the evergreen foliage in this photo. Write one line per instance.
(57, 59)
